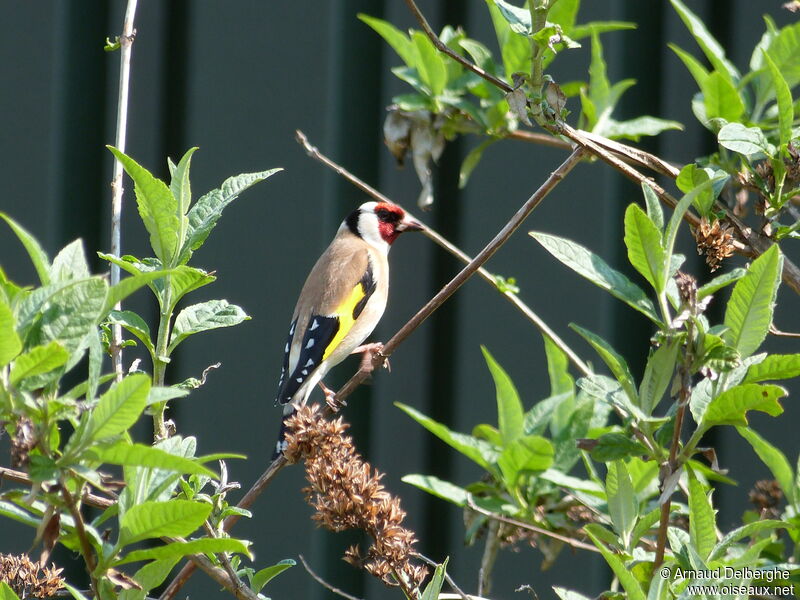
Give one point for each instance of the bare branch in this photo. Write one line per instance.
(126, 44)
(467, 272)
(443, 242)
(20, 477)
(324, 583)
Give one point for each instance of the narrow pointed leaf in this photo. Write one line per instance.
(784, 97)
(626, 578)
(37, 255)
(117, 293)
(38, 360)
(745, 531)
(525, 454)
(70, 263)
(158, 209)
(615, 361)
(645, 249)
(774, 459)
(720, 282)
(623, 506)
(202, 317)
(596, 270)
(394, 37)
(119, 408)
(658, 375)
(180, 185)
(654, 210)
(134, 324)
(510, 414)
(264, 576)
(10, 344)
(139, 455)
(434, 587)
(749, 311)
(160, 519)
(714, 52)
(702, 522)
(774, 366)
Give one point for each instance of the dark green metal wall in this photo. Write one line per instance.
(236, 79)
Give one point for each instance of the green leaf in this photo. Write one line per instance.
(623, 507)
(702, 522)
(471, 161)
(119, 408)
(566, 594)
(38, 360)
(742, 532)
(615, 446)
(626, 578)
(394, 37)
(212, 314)
(774, 366)
(205, 213)
(730, 407)
(658, 375)
(697, 70)
(561, 381)
(509, 407)
(744, 140)
(431, 591)
(264, 576)
(183, 280)
(714, 52)
(430, 63)
(160, 519)
(596, 270)
(117, 293)
(153, 574)
(38, 256)
(528, 453)
(178, 549)
(654, 210)
(720, 282)
(135, 325)
(722, 100)
(645, 249)
(634, 129)
(76, 593)
(784, 97)
(180, 185)
(479, 451)
(10, 344)
(519, 19)
(158, 209)
(439, 488)
(774, 459)
(70, 263)
(6, 593)
(689, 178)
(139, 455)
(748, 314)
(72, 312)
(615, 361)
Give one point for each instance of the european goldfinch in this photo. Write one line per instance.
(341, 302)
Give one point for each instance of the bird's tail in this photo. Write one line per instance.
(280, 444)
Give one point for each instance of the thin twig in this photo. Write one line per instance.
(80, 529)
(775, 331)
(522, 525)
(324, 583)
(20, 477)
(467, 272)
(443, 242)
(489, 557)
(126, 45)
(447, 577)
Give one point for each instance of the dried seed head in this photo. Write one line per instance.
(346, 493)
(22, 443)
(766, 495)
(715, 240)
(687, 288)
(29, 579)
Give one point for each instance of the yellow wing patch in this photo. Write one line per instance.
(344, 312)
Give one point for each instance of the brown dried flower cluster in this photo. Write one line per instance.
(715, 240)
(766, 495)
(346, 493)
(29, 579)
(22, 443)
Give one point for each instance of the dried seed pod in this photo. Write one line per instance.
(715, 240)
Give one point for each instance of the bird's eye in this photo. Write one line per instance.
(383, 214)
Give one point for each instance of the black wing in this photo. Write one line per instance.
(320, 332)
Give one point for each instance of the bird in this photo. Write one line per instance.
(340, 304)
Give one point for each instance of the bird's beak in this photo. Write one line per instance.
(409, 224)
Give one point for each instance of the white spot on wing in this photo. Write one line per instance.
(310, 344)
(299, 380)
(314, 325)
(304, 372)
(291, 329)
(286, 348)
(310, 363)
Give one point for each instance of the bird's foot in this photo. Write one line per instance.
(368, 352)
(330, 398)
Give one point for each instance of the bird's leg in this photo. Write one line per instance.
(330, 398)
(369, 351)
